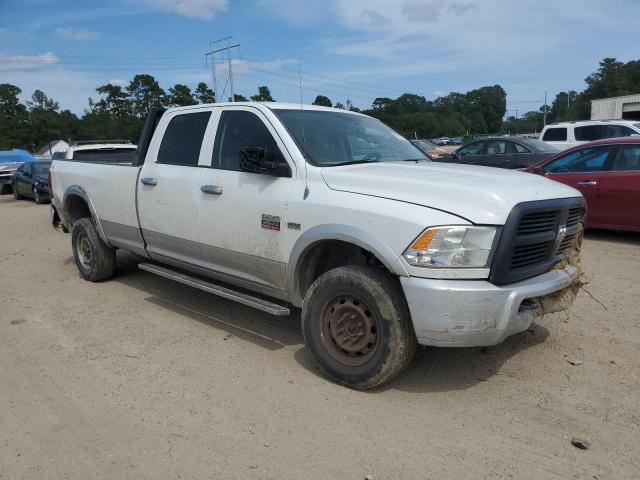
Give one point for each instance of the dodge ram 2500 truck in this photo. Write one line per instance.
(277, 206)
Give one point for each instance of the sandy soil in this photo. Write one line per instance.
(141, 378)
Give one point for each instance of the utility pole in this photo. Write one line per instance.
(214, 79)
(213, 73)
(516, 113)
(545, 109)
(233, 97)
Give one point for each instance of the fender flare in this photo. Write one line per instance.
(345, 233)
(80, 192)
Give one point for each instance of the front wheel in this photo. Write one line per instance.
(16, 195)
(357, 325)
(95, 259)
(37, 197)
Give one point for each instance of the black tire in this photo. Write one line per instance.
(36, 196)
(338, 315)
(95, 259)
(16, 195)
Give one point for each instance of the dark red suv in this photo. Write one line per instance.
(607, 173)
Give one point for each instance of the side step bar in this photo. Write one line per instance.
(243, 298)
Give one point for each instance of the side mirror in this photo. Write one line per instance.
(256, 160)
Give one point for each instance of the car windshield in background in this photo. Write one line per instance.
(540, 145)
(332, 138)
(40, 168)
(106, 155)
(425, 147)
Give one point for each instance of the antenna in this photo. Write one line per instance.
(304, 141)
(300, 84)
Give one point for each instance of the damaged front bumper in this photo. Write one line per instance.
(468, 313)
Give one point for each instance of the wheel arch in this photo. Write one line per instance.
(76, 204)
(320, 235)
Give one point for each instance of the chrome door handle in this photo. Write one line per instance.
(588, 183)
(211, 189)
(149, 181)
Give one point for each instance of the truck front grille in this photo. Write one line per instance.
(535, 237)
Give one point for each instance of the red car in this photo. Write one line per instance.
(607, 173)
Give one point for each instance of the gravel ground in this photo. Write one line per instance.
(139, 377)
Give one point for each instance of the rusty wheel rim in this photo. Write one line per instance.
(349, 330)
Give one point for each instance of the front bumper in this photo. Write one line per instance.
(469, 313)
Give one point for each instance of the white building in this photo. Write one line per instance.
(52, 147)
(616, 108)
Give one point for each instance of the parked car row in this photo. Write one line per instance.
(27, 176)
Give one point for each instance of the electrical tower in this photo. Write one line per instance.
(229, 80)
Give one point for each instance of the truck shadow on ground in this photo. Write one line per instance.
(432, 369)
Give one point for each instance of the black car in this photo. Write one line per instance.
(31, 180)
(501, 152)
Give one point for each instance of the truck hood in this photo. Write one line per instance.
(482, 195)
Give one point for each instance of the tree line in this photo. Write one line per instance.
(120, 111)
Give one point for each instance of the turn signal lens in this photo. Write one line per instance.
(452, 247)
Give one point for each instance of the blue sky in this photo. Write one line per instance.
(347, 49)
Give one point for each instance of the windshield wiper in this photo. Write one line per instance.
(353, 162)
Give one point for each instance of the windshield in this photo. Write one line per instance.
(333, 138)
(425, 147)
(40, 168)
(540, 145)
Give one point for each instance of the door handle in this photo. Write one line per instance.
(211, 189)
(149, 181)
(588, 183)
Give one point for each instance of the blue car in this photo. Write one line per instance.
(10, 160)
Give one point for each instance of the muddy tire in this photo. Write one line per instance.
(357, 326)
(16, 195)
(95, 259)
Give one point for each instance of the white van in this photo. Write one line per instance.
(568, 134)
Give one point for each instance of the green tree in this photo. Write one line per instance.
(39, 100)
(13, 118)
(339, 105)
(264, 95)
(239, 98)
(204, 94)
(180, 96)
(322, 101)
(114, 101)
(145, 93)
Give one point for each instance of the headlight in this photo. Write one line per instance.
(452, 247)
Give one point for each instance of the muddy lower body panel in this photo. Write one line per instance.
(468, 313)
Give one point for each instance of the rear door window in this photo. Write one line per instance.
(105, 155)
(556, 134)
(182, 139)
(496, 147)
(589, 133)
(628, 159)
(521, 148)
(593, 159)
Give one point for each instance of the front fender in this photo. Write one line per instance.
(345, 233)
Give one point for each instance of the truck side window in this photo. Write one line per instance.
(555, 135)
(241, 129)
(183, 138)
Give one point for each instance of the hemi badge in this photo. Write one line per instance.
(293, 225)
(270, 222)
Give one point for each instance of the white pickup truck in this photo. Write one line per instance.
(278, 205)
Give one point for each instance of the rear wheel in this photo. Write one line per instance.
(357, 326)
(95, 259)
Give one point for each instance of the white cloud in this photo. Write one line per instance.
(203, 9)
(77, 34)
(27, 63)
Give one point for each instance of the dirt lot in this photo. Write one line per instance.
(139, 377)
